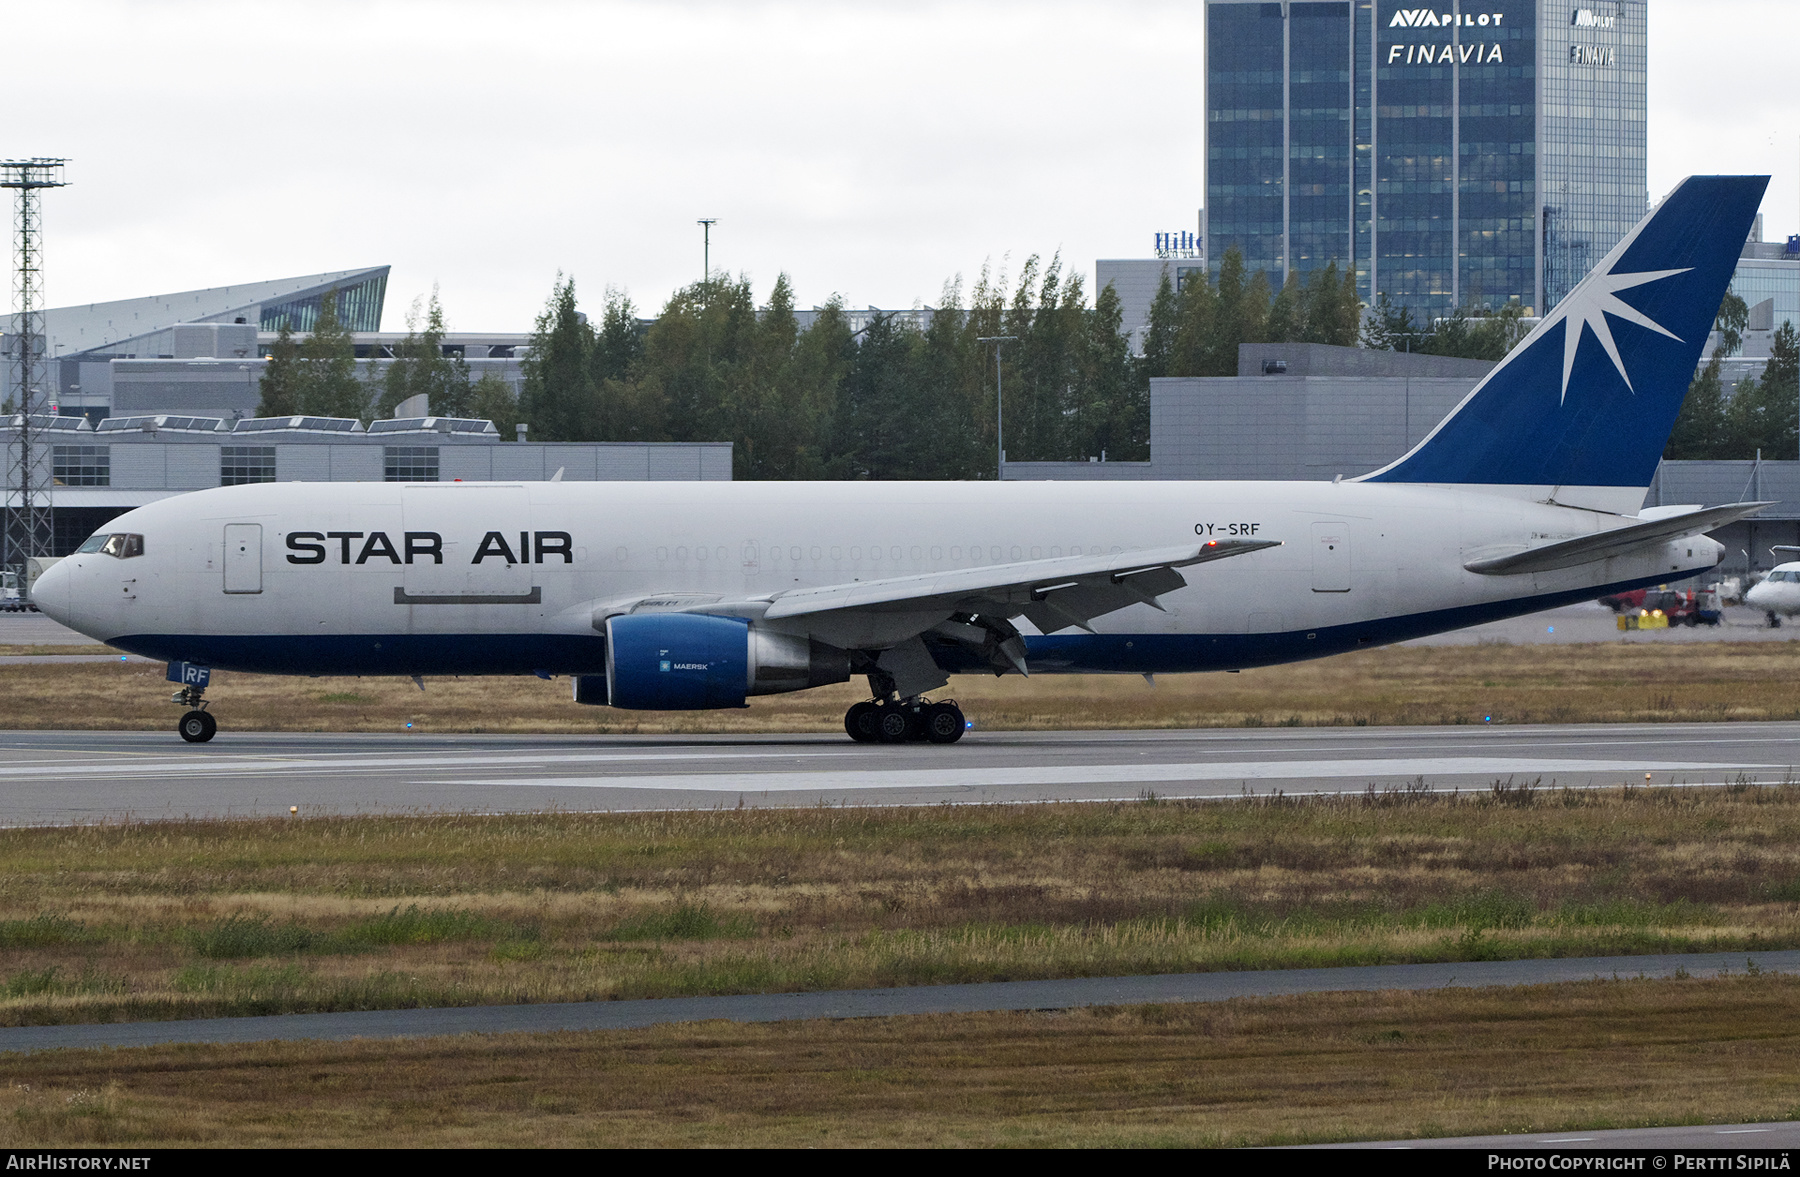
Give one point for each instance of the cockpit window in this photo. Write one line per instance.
(119, 544)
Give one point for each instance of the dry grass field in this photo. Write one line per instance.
(174, 919)
(1601, 1054)
(1396, 685)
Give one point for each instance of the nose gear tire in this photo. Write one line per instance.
(197, 727)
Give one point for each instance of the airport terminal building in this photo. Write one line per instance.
(152, 397)
(200, 352)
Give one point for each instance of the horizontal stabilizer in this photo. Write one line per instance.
(1618, 541)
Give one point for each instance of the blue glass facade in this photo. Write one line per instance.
(1246, 138)
(358, 308)
(1473, 154)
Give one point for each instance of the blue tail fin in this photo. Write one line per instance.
(1589, 398)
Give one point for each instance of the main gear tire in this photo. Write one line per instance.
(197, 727)
(860, 722)
(943, 723)
(896, 725)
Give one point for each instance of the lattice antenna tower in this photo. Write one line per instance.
(31, 524)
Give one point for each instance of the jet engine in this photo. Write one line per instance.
(694, 661)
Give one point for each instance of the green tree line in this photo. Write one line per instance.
(898, 400)
(1758, 415)
(891, 400)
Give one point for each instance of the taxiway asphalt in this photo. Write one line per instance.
(1065, 993)
(62, 777)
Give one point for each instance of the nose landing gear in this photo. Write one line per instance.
(197, 725)
(905, 721)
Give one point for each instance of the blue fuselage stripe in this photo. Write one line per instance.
(525, 653)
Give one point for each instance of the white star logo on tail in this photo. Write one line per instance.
(1589, 304)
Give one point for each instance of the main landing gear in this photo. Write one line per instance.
(899, 722)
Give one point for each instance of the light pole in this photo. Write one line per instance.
(706, 224)
(999, 342)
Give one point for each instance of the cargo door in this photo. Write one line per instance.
(243, 557)
(466, 545)
(1331, 557)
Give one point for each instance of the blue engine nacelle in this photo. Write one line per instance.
(694, 661)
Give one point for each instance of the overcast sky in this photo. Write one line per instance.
(871, 150)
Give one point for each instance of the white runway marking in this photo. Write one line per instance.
(225, 763)
(951, 777)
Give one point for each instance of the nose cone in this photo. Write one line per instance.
(1755, 595)
(50, 593)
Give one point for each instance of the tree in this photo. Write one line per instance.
(625, 409)
(557, 399)
(1287, 314)
(1236, 320)
(760, 398)
(1333, 312)
(421, 367)
(1730, 322)
(1197, 325)
(279, 388)
(810, 384)
(693, 354)
(492, 398)
(1780, 385)
(1700, 430)
(1159, 334)
(619, 345)
(877, 434)
(326, 381)
(1759, 414)
(1112, 414)
(1389, 327)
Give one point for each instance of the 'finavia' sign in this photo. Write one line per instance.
(1467, 54)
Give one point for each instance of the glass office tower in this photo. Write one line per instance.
(1470, 154)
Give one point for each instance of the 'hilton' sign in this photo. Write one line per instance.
(1182, 244)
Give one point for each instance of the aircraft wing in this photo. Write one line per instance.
(1618, 541)
(1054, 593)
(970, 606)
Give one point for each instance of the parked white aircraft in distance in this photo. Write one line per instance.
(676, 596)
(1778, 593)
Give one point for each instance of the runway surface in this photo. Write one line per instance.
(1750, 1138)
(880, 1003)
(62, 777)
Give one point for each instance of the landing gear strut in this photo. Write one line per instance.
(895, 721)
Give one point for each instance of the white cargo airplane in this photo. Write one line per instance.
(675, 596)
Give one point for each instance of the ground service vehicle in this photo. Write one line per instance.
(677, 596)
